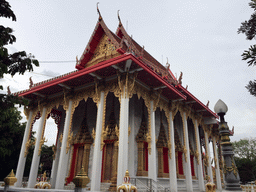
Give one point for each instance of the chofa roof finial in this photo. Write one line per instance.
(180, 78)
(98, 11)
(120, 23)
(167, 64)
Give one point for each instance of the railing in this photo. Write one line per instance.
(149, 185)
(140, 185)
(249, 188)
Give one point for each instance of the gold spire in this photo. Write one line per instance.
(127, 173)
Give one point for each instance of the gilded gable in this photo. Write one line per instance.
(105, 50)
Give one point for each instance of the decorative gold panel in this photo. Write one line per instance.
(105, 50)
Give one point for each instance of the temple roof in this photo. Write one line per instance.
(107, 52)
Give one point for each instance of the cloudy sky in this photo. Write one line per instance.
(199, 37)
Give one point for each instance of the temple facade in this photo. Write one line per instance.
(122, 110)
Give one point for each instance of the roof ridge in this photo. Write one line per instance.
(141, 52)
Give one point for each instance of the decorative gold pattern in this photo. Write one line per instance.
(81, 179)
(29, 142)
(10, 179)
(230, 169)
(69, 141)
(61, 137)
(104, 51)
(156, 102)
(103, 132)
(93, 136)
(42, 140)
(54, 149)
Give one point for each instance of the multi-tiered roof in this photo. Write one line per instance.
(105, 54)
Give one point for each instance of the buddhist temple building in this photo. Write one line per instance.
(122, 110)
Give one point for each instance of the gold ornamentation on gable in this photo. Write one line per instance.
(105, 50)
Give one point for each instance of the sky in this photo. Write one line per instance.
(199, 38)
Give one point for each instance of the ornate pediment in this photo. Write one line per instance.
(105, 50)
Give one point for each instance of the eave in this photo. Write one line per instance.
(197, 105)
(87, 75)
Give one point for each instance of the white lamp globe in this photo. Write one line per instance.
(220, 107)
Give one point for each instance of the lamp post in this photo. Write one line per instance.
(230, 170)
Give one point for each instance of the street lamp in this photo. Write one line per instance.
(232, 178)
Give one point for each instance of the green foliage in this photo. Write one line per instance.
(249, 29)
(245, 157)
(246, 168)
(46, 158)
(18, 62)
(245, 148)
(252, 87)
(11, 135)
(11, 130)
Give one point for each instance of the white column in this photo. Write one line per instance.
(97, 153)
(36, 157)
(22, 158)
(187, 164)
(199, 166)
(123, 140)
(55, 166)
(131, 144)
(209, 166)
(172, 160)
(63, 162)
(152, 172)
(217, 168)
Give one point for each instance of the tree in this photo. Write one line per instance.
(11, 130)
(245, 157)
(46, 158)
(249, 29)
(18, 62)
